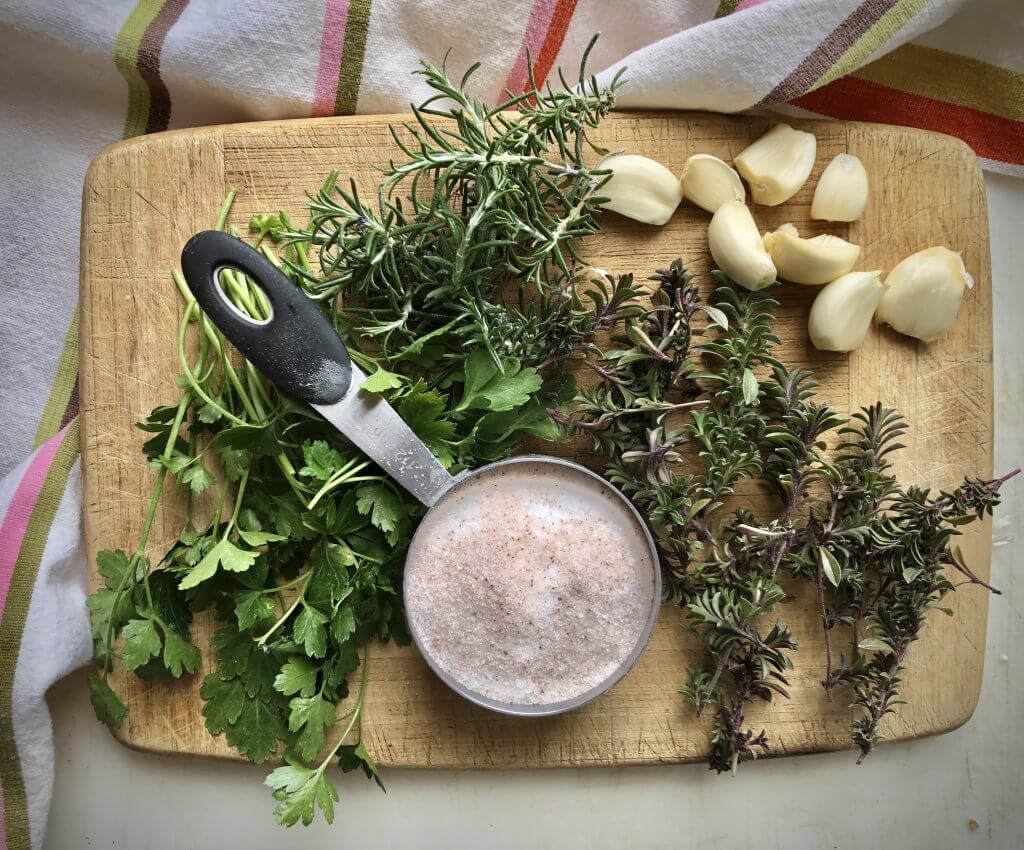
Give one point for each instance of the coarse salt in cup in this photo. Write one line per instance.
(531, 586)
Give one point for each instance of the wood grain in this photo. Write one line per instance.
(144, 197)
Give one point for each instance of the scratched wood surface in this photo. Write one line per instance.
(144, 197)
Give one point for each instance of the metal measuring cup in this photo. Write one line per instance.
(299, 350)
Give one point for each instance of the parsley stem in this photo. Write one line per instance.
(238, 504)
(190, 376)
(147, 525)
(190, 304)
(225, 209)
(340, 477)
(299, 600)
(356, 713)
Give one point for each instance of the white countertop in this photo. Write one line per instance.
(923, 794)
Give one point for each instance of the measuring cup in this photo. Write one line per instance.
(300, 351)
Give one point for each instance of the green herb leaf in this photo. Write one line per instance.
(490, 389)
(384, 507)
(113, 565)
(107, 705)
(321, 460)
(352, 756)
(141, 643)
(297, 676)
(382, 380)
(256, 731)
(260, 538)
(716, 316)
(108, 611)
(750, 387)
(830, 566)
(169, 603)
(875, 645)
(910, 573)
(224, 701)
(180, 656)
(197, 477)
(252, 607)
(313, 716)
(310, 632)
(224, 555)
(299, 790)
(343, 624)
(422, 411)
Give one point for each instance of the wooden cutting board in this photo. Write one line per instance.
(144, 197)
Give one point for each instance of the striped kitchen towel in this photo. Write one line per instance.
(77, 76)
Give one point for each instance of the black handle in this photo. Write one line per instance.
(296, 347)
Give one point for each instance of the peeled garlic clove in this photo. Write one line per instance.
(778, 164)
(737, 248)
(708, 182)
(923, 293)
(841, 314)
(811, 261)
(640, 188)
(842, 190)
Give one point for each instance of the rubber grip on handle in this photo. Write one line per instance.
(296, 347)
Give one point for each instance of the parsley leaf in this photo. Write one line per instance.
(313, 716)
(385, 508)
(141, 642)
(256, 731)
(487, 388)
(532, 419)
(107, 705)
(112, 565)
(169, 603)
(297, 676)
(240, 700)
(251, 607)
(382, 380)
(321, 460)
(107, 611)
(224, 701)
(351, 756)
(260, 538)
(197, 477)
(423, 411)
(179, 654)
(224, 554)
(309, 631)
(298, 790)
(343, 624)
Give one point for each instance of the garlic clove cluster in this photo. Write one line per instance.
(708, 182)
(841, 314)
(777, 164)
(640, 188)
(813, 261)
(737, 248)
(923, 293)
(842, 190)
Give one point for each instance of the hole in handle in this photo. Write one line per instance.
(243, 296)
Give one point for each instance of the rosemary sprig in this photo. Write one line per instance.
(472, 238)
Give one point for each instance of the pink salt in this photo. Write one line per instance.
(530, 584)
